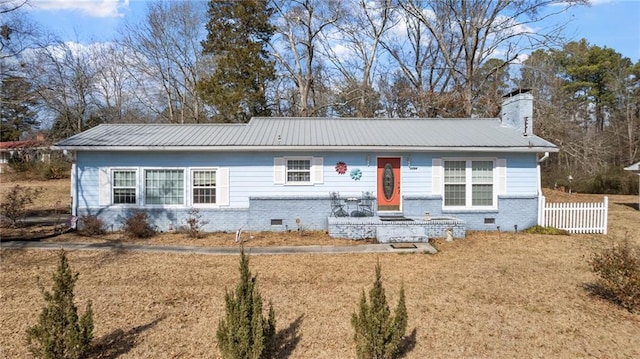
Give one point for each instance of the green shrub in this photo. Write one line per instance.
(91, 226)
(537, 229)
(60, 334)
(245, 332)
(137, 225)
(618, 271)
(14, 205)
(377, 334)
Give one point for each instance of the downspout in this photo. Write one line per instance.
(74, 185)
(540, 196)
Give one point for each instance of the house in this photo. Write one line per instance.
(28, 150)
(277, 174)
(635, 168)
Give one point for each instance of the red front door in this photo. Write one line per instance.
(388, 184)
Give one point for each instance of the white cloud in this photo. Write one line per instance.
(95, 8)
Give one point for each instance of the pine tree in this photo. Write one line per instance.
(238, 33)
(60, 334)
(245, 332)
(377, 334)
(16, 112)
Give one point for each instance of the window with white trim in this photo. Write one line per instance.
(455, 183)
(298, 170)
(203, 186)
(164, 187)
(469, 183)
(124, 186)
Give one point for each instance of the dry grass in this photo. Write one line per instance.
(491, 295)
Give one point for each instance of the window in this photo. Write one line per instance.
(469, 183)
(164, 187)
(454, 183)
(482, 183)
(124, 187)
(299, 171)
(203, 184)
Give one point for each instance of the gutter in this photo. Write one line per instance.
(74, 184)
(546, 155)
(280, 148)
(540, 196)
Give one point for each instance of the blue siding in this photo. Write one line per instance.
(255, 199)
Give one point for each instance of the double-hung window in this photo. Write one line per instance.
(469, 183)
(298, 170)
(455, 187)
(164, 187)
(124, 187)
(203, 186)
(482, 183)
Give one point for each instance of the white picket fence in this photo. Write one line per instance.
(575, 217)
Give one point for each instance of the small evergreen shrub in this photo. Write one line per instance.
(618, 271)
(377, 334)
(245, 332)
(60, 334)
(14, 205)
(91, 226)
(137, 225)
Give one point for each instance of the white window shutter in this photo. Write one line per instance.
(222, 187)
(317, 170)
(436, 176)
(501, 171)
(104, 186)
(278, 170)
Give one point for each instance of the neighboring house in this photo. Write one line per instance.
(277, 173)
(635, 168)
(29, 150)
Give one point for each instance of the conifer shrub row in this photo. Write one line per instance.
(244, 332)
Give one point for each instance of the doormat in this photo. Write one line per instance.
(403, 245)
(389, 219)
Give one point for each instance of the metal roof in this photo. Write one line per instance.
(633, 167)
(272, 133)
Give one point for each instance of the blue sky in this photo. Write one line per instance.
(611, 23)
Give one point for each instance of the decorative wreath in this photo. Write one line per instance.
(356, 174)
(341, 168)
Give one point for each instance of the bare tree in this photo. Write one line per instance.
(63, 76)
(359, 32)
(299, 27)
(166, 51)
(467, 33)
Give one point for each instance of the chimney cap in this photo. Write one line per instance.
(516, 92)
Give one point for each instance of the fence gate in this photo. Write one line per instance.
(575, 217)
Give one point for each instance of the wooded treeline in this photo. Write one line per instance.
(226, 61)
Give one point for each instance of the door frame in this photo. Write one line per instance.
(397, 181)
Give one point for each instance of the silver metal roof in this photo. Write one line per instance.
(271, 133)
(633, 167)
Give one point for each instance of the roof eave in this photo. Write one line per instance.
(283, 148)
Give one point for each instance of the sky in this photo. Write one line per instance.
(606, 23)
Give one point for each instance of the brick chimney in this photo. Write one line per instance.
(517, 111)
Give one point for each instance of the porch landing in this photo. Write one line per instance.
(395, 229)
